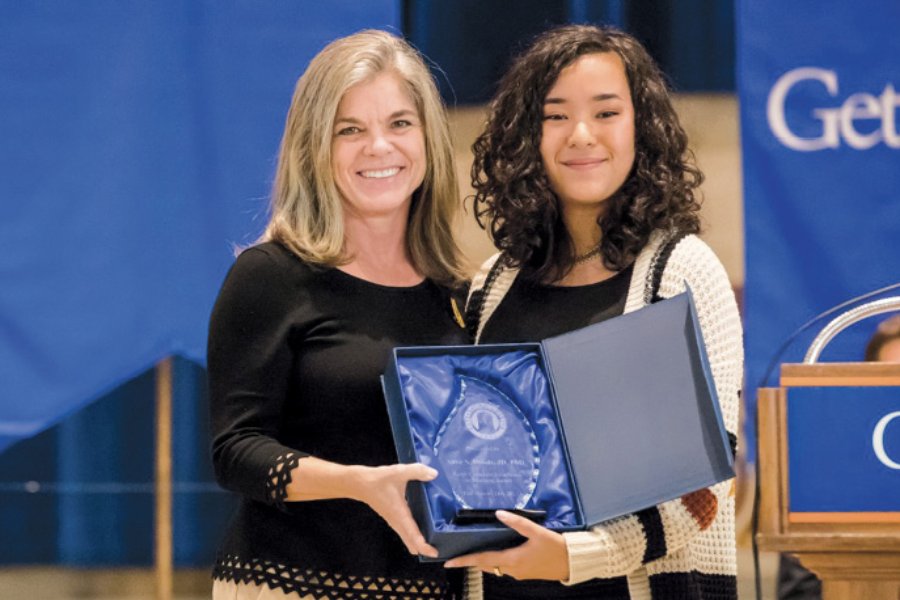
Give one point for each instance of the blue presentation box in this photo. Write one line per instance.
(628, 419)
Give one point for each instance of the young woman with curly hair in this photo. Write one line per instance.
(584, 180)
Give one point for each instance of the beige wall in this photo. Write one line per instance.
(711, 122)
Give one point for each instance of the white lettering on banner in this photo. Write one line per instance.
(878, 440)
(837, 123)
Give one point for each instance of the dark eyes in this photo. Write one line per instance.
(605, 114)
(353, 129)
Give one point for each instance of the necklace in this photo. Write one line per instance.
(587, 255)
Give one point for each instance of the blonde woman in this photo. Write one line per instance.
(357, 258)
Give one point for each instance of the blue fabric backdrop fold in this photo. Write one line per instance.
(818, 88)
(138, 145)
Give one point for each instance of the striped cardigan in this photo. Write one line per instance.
(684, 548)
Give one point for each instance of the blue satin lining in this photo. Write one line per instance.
(429, 391)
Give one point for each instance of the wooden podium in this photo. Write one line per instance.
(855, 554)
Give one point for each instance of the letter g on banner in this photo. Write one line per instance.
(838, 123)
(878, 440)
(778, 122)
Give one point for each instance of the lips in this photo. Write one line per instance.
(583, 163)
(379, 173)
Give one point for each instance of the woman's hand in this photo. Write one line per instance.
(542, 556)
(384, 490)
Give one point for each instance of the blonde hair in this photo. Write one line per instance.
(306, 212)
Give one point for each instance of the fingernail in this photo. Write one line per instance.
(432, 473)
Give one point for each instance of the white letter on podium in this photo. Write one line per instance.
(878, 440)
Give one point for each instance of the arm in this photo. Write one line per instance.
(250, 358)
(383, 489)
(622, 545)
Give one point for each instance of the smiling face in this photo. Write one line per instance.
(378, 153)
(587, 138)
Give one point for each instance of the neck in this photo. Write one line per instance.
(377, 250)
(583, 230)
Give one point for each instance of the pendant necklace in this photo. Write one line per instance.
(587, 255)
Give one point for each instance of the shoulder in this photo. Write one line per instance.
(692, 248)
(493, 278)
(694, 264)
(494, 270)
(271, 255)
(693, 261)
(668, 265)
(488, 264)
(479, 280)
(267, 277)
(270, 263)
(489, 287)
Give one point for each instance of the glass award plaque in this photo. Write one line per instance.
(487, 449)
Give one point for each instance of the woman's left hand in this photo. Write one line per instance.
(542, 556)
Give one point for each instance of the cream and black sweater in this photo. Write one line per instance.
(684, 548)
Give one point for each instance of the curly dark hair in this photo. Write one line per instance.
(513, 198)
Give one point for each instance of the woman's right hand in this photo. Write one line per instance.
(383, 489)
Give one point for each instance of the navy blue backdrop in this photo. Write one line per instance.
(821, 166)
(138, 146)
(692, 40)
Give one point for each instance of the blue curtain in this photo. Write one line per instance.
(821, 152)
(139, 141)
(693, 40)
(81, 493)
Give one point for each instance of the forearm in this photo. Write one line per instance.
(382, 488)
(317, 479)
(618, 547)
(612, 549)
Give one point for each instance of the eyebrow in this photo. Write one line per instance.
(597, 98)
(394, 115)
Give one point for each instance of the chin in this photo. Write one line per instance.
(587, 201)
(376, 207)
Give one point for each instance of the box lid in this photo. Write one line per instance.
(638, 407)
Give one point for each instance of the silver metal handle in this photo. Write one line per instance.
(845, 320)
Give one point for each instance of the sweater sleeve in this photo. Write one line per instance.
(249, 360)
(618, 547)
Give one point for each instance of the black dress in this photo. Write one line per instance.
(295, 355)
